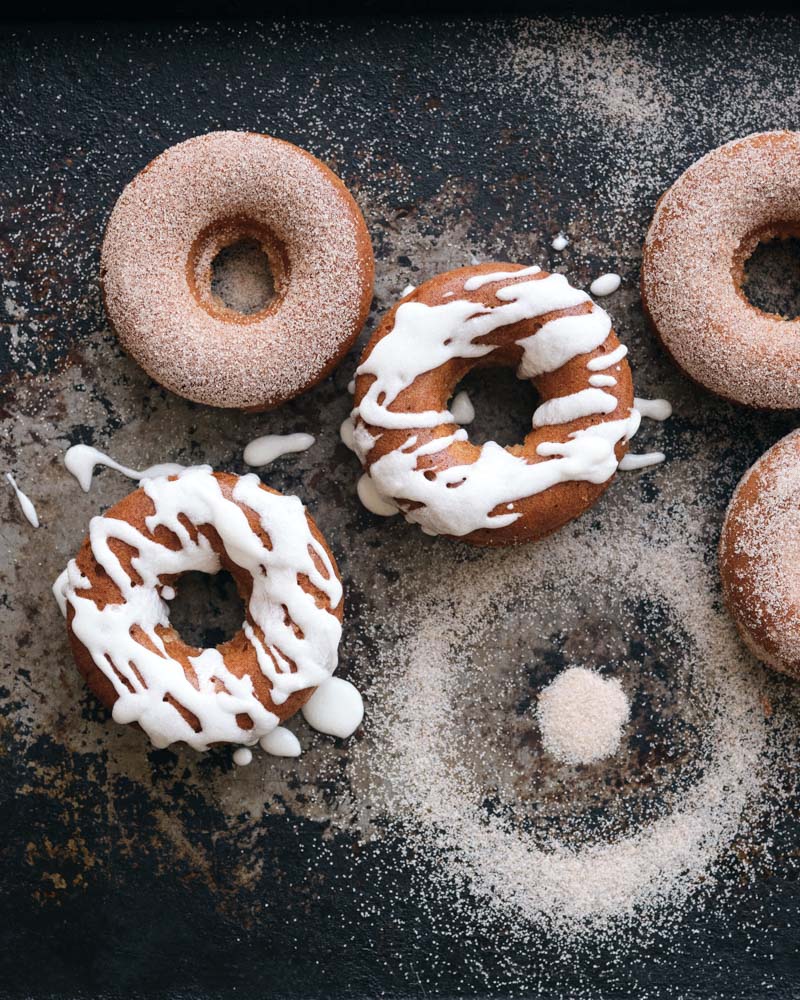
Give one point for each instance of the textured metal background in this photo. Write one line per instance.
(126, 871)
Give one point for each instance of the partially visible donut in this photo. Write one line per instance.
(705, 228)
(493, 314)
(759, 556)
(173, 219)
(115, 594)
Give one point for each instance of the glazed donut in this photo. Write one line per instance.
(703, 232)
(759, 556)
(493, 314)
(173, 219)
(115, 594)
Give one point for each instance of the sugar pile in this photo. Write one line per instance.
(581, 716)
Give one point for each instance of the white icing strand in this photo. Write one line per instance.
(243, 756)
(479, 280)
(295, 641)
(335, 708)
(346, 433)
(407, 290)
(281, 742)
(25, 502)
(351, 386)
(266, 449)
(607, 360)
(606, 284)
(654, 409)
(562, 409)
(601, 381)
(561, 340)
(462, 409)
(81, 460)
(372, 499)
(561, 242)
(425, 337)
(630, 463)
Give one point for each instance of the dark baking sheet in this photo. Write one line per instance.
(126, 871)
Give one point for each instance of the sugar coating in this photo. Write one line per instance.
(205, 181)
(703, 230)
(762, 529)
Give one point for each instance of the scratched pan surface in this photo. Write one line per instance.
(127, 871)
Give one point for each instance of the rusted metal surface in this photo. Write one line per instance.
(127, 870)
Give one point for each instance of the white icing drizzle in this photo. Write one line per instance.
(284, 624)
(561, 242)
(81, 460)
(584, 403)
(242, 756)
(607, 360)
(602, 380)
(266, 449)
(335, 708)
(346, 433)
(24, 501)
(473, 284)
(655, 409)
(372, 499)
(351, 386)
(606, 284)
(462, 409)
(407, 290)
(630, 463)
(281, 742)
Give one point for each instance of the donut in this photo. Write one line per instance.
(200, 197)
(759, 556)
(703, 232)
(417, 457)
(115, 596)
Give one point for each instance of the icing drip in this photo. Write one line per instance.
(606, 284)
(462, 409)
(266, 449)
(406, 291)
(563, 339)
(281, 742)
(630, 463)
(25, 502)
(372, 499)
(607, 360)
(335, 708)
(562, 409)
(243, 756)
(561, 242)
(81, 460)
(284, 623)
(347, 433)
(654, 409)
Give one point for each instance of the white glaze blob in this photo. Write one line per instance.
(347, 433)
(147, 679)
(281, 742)
(462, 409)
(81, 460)
(606, 284)
(631, 462)
(266, 449)
(654, 409)
(561, 242)
(242, 756)
(372, 499)
(335, 708)
(24, 501)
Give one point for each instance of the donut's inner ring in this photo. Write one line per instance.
(765, 234)
(222, 235)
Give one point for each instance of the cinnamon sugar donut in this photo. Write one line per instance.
(493, 314)
(760, 556)
(704, 230)
(115, 594)
(173, 219)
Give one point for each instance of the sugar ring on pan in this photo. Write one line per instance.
(115, 596)
(200, 197)
(493, 314)
(760, 556)
(705, 228)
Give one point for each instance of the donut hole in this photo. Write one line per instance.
(207, 610)
(241, 277)
(771, 280)
(503, 405)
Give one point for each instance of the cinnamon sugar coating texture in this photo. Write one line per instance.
(704, 230)
(179, 212)
(760, 556)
